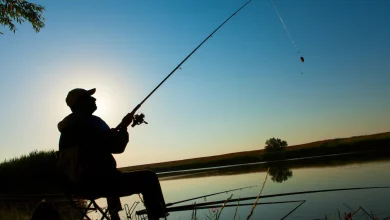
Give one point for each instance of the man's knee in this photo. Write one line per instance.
(149, 174)
(143, 175)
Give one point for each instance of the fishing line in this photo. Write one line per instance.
(139, 119)
(289, 35)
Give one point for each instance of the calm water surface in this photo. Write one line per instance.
(317, 205)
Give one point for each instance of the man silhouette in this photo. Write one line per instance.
(85, 158)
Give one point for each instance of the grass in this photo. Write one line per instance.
(34, 173)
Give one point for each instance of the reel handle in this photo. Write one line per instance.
(138, 119)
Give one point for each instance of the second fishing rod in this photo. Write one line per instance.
(139, 119)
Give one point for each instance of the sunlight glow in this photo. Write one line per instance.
(114, 95)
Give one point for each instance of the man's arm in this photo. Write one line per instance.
(119, 135)
(117, 140)
(114, 141)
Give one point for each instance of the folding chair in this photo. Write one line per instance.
(92, 206)
(73, 193)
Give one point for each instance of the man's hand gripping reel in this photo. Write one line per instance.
(131, 117)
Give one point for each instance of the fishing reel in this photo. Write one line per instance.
(138, 119)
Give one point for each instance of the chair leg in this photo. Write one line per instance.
(85, 212)
(92, 205)
(104, 213)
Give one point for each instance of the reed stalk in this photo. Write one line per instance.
(258, 196)
(235, 213)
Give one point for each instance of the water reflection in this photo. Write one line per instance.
(327, 161)
(280, 174)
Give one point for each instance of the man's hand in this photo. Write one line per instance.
(126, 121)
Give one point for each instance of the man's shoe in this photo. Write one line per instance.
(114, 216)
(163, 211)
(157, 212)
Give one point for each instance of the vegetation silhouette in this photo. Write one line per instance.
(34, 173)
(19, 11)
(275, 144)
(24, 209)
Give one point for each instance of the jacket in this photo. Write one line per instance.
(86, 146)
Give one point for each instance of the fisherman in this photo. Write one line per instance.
(85, 158)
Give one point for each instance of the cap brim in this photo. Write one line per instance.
(91, 91)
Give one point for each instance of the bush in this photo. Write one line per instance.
(32, 173)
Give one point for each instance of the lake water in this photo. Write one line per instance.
(317, 206)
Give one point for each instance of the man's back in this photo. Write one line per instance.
(84, 149)
(85, 153)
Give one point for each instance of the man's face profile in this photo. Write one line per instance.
(87, 104)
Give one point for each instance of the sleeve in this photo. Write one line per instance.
(118, 141)
(115, 141)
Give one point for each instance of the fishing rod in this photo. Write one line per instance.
(293, 210)
(292, 193)
(139, 119)
(210, 204)
(204, 196)
(202, 206)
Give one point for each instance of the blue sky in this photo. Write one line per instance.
(240, 88)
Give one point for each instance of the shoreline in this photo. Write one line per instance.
(357, 144)
(335, 160)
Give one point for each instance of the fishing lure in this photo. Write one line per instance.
(288, 34)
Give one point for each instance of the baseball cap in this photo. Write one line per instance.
(75, 94)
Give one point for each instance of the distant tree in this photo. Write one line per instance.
(12, 11)
(274, 144)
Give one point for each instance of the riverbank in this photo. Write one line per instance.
(332, 160)
(36, 172)
(375, 142)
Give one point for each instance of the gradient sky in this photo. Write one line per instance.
(240, 88)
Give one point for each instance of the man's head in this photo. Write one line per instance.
(81, 101)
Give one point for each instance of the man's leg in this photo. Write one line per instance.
(145, 182)
(105, 187)
(114, 206)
